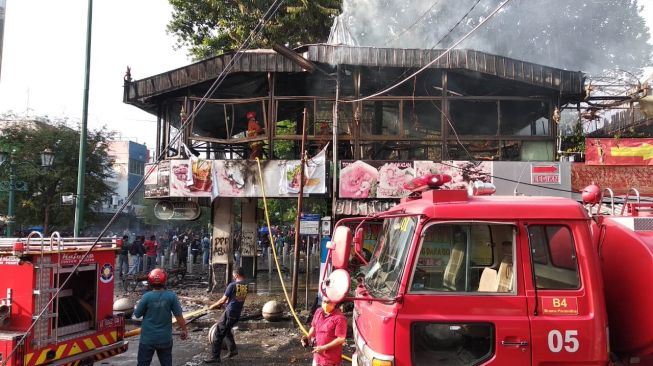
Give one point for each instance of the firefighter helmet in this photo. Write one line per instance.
(157, 276)
(251, 115)
(591, 194)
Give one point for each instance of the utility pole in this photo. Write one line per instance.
(295, 266)
(81, 167)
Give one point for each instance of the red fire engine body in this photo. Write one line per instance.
(78, 325)
(459, 279)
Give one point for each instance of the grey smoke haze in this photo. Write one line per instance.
(587, 35)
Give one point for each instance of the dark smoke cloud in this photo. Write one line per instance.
(587, 35)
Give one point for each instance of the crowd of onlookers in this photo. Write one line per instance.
(168, 250)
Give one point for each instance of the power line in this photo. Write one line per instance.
(460, 21)
(446, 52)
(412, 25)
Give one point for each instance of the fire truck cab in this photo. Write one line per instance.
(459, 279)
(56, 310)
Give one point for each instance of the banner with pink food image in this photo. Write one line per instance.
(385, 179)
(374, 179)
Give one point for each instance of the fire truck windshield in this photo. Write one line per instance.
(389, 259)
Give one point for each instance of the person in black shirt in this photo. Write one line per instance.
(234, 297)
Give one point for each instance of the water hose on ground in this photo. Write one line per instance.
(276, 261)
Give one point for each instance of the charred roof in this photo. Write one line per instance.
(567, 84)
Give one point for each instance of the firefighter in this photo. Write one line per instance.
(156, 332)
(234, 297)
(254, 129)
(327, 334)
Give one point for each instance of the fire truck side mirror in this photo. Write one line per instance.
(341, 247)
(336, 287)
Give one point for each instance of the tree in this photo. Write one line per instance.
(40, 204)
(213, 27)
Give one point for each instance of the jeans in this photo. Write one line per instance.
(163, 352)
(223, 332)
(137, 264)
(205, 257)
(123, 264)
(151, 263)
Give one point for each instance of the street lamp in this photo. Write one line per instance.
(13, 185)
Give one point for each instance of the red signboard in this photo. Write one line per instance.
(548, 173)
(559, 305)
(618, 151)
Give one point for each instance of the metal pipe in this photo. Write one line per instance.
(295, 273)
(334, 149)
(81, 167)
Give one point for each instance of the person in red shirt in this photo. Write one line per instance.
(329, 328)
(150, 252)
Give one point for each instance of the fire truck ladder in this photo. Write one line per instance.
(47, 286)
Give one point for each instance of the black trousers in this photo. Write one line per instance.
(223, 332)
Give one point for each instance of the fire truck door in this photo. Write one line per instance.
(564, 324)
(456, 310)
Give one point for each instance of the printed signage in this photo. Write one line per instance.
(548, 173)
(635, 151)
(309, 224)
(559, 305)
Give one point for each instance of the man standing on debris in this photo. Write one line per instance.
(123, 257)
(234, 296)
(156, 333)
(329, 328)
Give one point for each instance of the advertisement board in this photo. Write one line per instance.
(234, 178)
(626, 151)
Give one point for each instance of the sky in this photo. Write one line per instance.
(44, 54)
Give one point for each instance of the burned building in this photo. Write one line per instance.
(468, 105)
(385, 118)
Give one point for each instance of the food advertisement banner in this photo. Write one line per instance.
(618, 151)
(235, 178)
(385, 179)
(157, 183)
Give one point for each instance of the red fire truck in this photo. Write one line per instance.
(58, 311)
(458, 278)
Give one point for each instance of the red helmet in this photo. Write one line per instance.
(591, 194)
(157, 276)
(251, 115)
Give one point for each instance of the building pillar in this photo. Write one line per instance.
(221, 248)
(249, 236)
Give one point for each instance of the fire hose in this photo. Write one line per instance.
(189, 317)
(276, 261)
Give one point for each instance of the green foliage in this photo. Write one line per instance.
(45, 187)
(576, 141)
(284, 149)
(283, 211)
(213, 27)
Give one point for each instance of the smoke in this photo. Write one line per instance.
(586, 35)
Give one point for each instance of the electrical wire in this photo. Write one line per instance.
(456, 25)
(419, 19)
(446, 52)
(259, 27)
